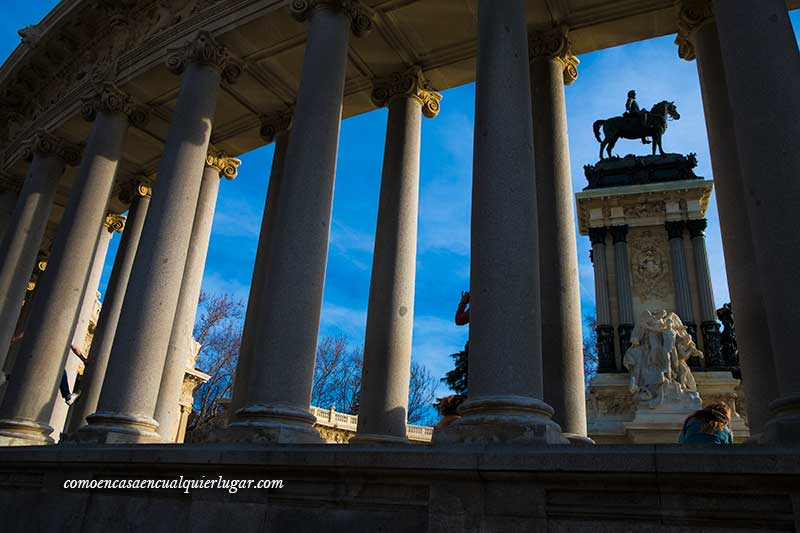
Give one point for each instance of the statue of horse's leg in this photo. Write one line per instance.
(602, 146)
(611, 143)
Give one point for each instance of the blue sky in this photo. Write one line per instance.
(651, 67)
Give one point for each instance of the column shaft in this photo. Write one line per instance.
(505, 359)
(264, 253)
(680, 276)
(623, 277)
(26, 407)
(562, 336)
(20, 245)
(606, 362)
(128, 398)
(279, 394)
(709, 326)
(95, 370)
(383, 406)
(752, 327)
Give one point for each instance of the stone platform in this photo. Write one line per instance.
(412, 488)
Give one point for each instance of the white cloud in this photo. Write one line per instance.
(217, 282)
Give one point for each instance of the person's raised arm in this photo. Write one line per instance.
(462, 313)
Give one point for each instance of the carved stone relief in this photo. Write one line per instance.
(650, 268)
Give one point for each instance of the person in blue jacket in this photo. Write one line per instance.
(708, 426)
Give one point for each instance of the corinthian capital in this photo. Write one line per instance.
(555, 45)
(360, 15)
(411, 83)
(114, 222)
(110, 99)
(274, 125)
(692, 15)
(226, 166)
(204, 50)
(48, 145)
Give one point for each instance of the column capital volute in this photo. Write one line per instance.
(697, 227)
(554, 44)
(139, 187)
(360, 15)
(109, 98)
(691, 15)
(204, 50)
(114, 222)
(275, 124)
(597, 235)
(48, 145)
(674, 229)
(227, 166)
(410, 83)
(619, 233)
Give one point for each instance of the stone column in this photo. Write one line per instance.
(128, 398)
(757, 43)
(553, 65)
(275, 128)
(606, 362)
(708, 313)
(282, 363)
(26, 407)
(383, 406)
(9, 194)
(505, 358)
(619, 234)
(138, 195)
(112, 223)
(699, 39)
(167, 412)
(22, 239)
(680, 278)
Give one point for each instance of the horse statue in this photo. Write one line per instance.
(632, 127)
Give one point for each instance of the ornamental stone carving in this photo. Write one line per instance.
(360, 15)
(204, 50)
(136, 188)
(274, 125)
(115, 223)
(49, 145)
(650, 270)
(692, 15)
(555, 45)
(644, 210)
(110, 99)
(226, 165)
(411, 83)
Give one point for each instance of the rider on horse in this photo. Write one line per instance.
(632, 110)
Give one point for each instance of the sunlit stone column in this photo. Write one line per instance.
(553, 65)
(128, 398)
(23, 237)
(622, 269)
(168, 409)
(606, 362)
(273, 129)
(505, 358)
(138, 195)
(699, 39)
(383, 404)
(709, 326)
(279, 388)
(28, 401)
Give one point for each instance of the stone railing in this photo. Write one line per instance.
(332, 418)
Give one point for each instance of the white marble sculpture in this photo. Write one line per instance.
(657, 360)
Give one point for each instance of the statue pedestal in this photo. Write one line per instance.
(663, 423)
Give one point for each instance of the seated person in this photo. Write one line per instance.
(708, 426)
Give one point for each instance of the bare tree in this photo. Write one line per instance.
(590, 358)
(337, 375)
(421, 395)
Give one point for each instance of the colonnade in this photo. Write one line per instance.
(526, 361)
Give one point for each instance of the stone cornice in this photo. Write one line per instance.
(411, 83)
(204, 50)
(274, 125)
(554, 44)
(692, 15)
(114, 223)
(110, 99)
(49, 145)
(227, 166)
(360, 15)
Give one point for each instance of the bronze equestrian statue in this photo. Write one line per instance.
(636, 124)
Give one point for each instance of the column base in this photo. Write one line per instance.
(784, 426)
(116, 428)
(15, 432)
(270, 424)
(501, 420)
(378, 440)
(578, 440)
